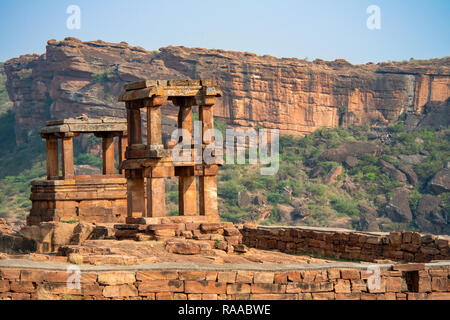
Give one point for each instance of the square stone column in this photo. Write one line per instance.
(134, 123)
(154, 121)
(156, 202)
(135, 193)
(208, 196)
(122, 143)
(187, 192)
(67, 157)
(207, 188)
(206, 117)
(108, 153)
(52, 157)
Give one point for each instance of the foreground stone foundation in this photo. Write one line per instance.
(23, 279)
(85, 198)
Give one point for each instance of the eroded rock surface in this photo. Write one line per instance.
(294, 95)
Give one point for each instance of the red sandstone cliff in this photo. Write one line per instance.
(294, 95)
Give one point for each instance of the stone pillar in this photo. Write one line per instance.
(108, 153)
(134, 123)
(156, 193)
(67, 157)
(154, 120)
(208, 196)
(156, 202)
(52, 157)
(207, 188)
(122, 143)
(206, 117)
(135, 193)
(187, 193)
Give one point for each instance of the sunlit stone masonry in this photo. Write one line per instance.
(64, 196)
(153, 161)
(147, 165)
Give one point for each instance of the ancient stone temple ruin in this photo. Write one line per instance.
(64, 196)
(147, 165)
(153, 162)
(131, 201)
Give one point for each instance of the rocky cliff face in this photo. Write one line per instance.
(294, 95)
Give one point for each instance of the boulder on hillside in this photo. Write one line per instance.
(410, 174)
(351, 161)
(258, 200)
(424, 225)
(411, 159)
(441, 181)
(354, 148)
(427, 204)
(285, 212)
(393, 172)
(368, 222)
(350, 187)
(385, 223)
(301, 209)
(366, 209)
(332, 175)
(398, 209)
(344, 222)
(244, 199)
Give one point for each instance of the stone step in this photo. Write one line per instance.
(154, 227)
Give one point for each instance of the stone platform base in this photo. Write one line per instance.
(100, 199)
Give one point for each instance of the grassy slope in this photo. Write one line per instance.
(328, 203)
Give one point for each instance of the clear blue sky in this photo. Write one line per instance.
(326, 29)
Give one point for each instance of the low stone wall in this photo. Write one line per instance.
(346, 244)
(24, 279)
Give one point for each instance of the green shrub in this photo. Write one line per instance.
(317, 189)
(345, 206)
(88, 159)
(275, 198)
(229, 190)
(414, 198)
(104, 76)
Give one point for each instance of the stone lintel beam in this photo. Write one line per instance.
(169, 88)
